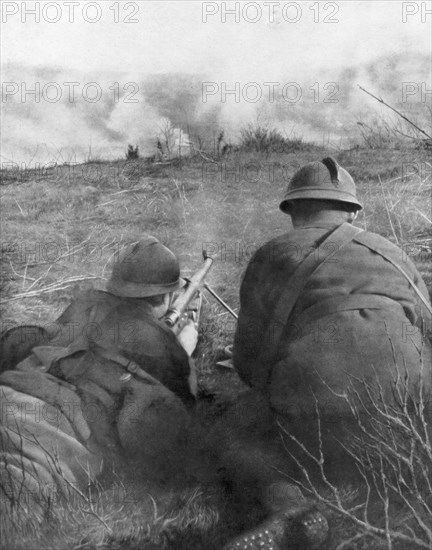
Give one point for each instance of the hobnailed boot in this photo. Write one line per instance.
(297, 525)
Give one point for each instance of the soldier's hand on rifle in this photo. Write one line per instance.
(188, 336)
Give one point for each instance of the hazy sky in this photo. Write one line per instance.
(171, 35)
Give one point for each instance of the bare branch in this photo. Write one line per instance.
(396, 111)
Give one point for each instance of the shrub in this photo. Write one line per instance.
(132, 152)
(261, 139)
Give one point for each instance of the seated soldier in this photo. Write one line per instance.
(323, 308)
(111, 397)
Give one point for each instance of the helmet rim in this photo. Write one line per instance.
(126, 289)
(316, 193)
(145, 268)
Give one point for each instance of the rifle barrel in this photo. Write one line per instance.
(180, 305)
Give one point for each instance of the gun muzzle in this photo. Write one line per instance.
(172, 316)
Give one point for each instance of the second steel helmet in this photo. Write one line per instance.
(147, 268)
(324, 180)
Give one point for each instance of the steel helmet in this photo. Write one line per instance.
(147, 268)
(324, 180)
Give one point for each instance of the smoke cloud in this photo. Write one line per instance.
(51, 114)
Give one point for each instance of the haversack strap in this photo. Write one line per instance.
(327, 250)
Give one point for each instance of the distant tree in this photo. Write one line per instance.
(166, 132)
(132, 152)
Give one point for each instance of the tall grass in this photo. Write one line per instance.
(390, 449)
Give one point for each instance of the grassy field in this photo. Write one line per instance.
(62, 229)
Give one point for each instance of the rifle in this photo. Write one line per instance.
(181, 303)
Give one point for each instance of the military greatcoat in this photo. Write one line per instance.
(357, 320)
(72, 412)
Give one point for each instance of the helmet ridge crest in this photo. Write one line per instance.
(333, 168)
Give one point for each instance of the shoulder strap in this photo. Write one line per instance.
(363, 239)
(110, 355)
(83, 345)
(339, 238)
(129, 365)
(327, 250)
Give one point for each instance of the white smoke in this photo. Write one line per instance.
(142, 109)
